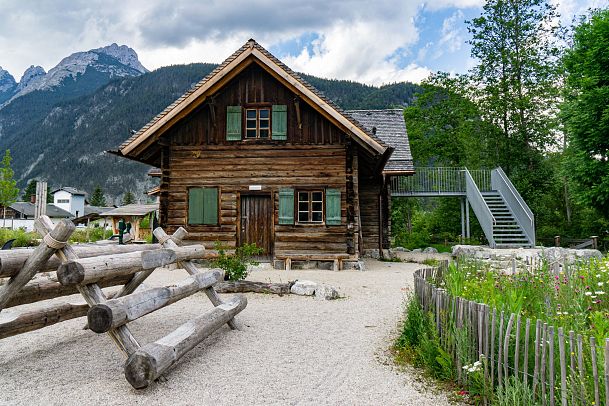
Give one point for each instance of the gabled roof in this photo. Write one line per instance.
(70, 190)
(28, 209)
(388, 126)
(249, 52)
(130, 210)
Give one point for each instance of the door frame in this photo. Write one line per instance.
(246, 193)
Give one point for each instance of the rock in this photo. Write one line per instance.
(353, 265)
(430, 250)
(401, 249)
(304, 288)
(417, 250)
(326, 292)
(371, 254)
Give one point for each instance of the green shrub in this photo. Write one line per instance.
(235, 265)
(514, 393)
(21, 237)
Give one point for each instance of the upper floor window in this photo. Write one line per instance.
(63, 201)
(257, 122)
(253, 122)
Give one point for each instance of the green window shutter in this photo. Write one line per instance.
(280, 122)
(195, 206)
(233, 123)
(333, 207)
(286, 206)
(210, 206)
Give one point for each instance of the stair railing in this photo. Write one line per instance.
(521, 211)
(481, 209)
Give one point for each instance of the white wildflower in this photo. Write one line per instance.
(599, 292)
(600, 284)
(588, 293)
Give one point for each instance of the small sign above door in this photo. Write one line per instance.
(255, 187)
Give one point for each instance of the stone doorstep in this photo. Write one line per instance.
(279, 264)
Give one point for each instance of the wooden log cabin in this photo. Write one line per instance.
(254, 154)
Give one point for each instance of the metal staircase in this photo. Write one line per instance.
(505, 218)
(506, 230)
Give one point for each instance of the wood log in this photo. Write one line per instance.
(93, 294)
(141, 276)
(152, 360)
(90, 270)
(213, 297)
(11, 261)
(61, 233)
(43, 317)
(119, 311)
(255, 287)
(45, 289)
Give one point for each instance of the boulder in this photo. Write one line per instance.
(430, 250)
(401, 249)
(304, 288)
(326, 292)
(417, 250)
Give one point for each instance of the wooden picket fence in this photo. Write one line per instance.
(87, 269)
(561, 367)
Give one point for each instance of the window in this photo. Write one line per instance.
(203, 206)
(59, 201)
(310, 207)
(257, 123)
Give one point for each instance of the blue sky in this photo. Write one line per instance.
(374, 42)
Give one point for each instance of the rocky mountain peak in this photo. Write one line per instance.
(125, 55)
(7, 81)
(29, 75)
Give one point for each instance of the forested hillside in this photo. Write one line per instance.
(64, 141)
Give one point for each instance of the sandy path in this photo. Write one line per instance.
(292, 350)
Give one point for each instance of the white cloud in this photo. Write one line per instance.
(364, 40)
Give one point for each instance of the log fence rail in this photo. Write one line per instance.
(86, 270)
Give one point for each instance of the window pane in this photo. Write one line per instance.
(317, 196)
(264, 113)
(251, 113)
(303, 197)
(250, 133)
(317, 206)
(264, 123)
(303, 206)
(251, 124)
(303, 217)
(264, 133)
(316, 216)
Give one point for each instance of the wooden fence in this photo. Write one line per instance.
(560, 367)
(86, 270)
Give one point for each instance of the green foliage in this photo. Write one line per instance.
(8, 189)
(22, 238)
(585, 111)
(419, 343)
(514, 393)
(90, 234)
(235, 265)
(31, 190)
(97, 197)
(128, 198)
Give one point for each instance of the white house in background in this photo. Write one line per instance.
(70, 199)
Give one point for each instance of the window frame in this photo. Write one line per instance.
(310, 210)
(257, 108)
(218, 202)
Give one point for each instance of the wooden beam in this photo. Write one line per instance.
(93, 294)
(58, 236)
(42, 317)
(11, 261)
(116, 312)
(152, 360)
(90, 270)
(167, 242)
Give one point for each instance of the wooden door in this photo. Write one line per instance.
(257, 222)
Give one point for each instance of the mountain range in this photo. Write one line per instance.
(58, 124)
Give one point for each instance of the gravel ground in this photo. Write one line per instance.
(291, 350)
